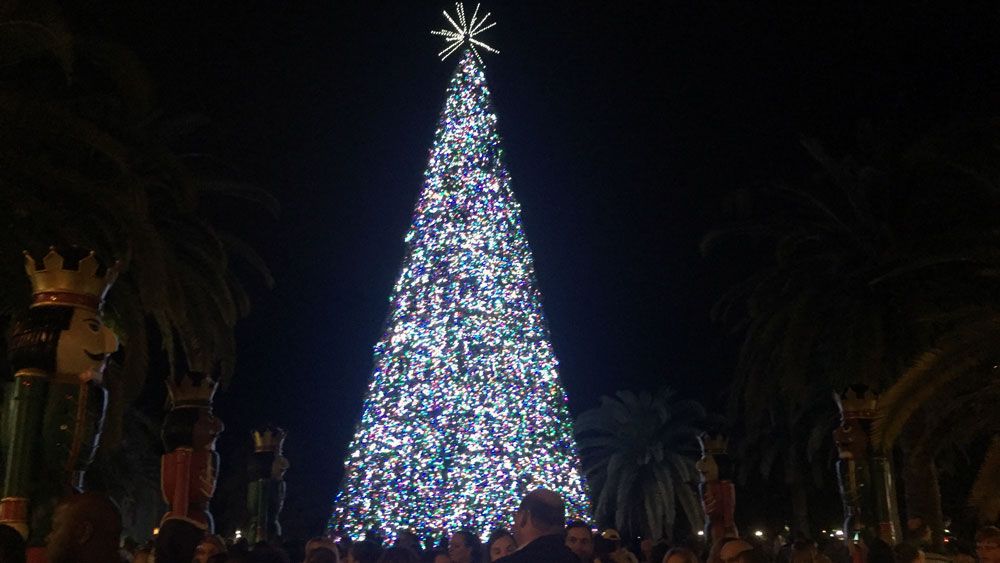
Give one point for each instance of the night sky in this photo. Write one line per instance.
(624, 125)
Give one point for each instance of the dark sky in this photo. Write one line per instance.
(624, 124)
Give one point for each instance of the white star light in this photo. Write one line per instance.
(464, 31)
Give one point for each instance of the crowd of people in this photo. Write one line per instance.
(86, 528)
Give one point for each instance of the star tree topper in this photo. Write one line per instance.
(464, 31)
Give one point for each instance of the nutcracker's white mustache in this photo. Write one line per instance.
(95, 357)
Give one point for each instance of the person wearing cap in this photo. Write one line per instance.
(614, 551)
(538, 530)
(321, 542)
(988, 544)
(407, 538)
(209, 546)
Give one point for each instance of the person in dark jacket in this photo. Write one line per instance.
(538, 529)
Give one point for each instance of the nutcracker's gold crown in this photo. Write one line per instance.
(268, 439)
(191, 389)
(53, 284)
(857, 401)
(713, 443)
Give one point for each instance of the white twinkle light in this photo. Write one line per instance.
(464, 31)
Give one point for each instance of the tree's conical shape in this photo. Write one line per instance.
(464, 412)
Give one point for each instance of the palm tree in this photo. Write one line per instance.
(130, 474)
(985, 494)
(86, 159)
(868, 264)
(798, 451)
(639, 452)
(956, 380)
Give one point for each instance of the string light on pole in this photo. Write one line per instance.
(464, 31)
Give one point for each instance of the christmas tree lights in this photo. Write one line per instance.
(464, 411)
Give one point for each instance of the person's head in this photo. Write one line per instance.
(363, 552)
(263, 552)
(646, 548)
(128, 544)
(407, 539)
(907, 553)
(177, 541)
(580, 540)
(85, 528)
(679, 555)
(962, 551)
(320, 542)
(439, 557)
(878, 551)
(716, 546)
(12, 545)
(465, 547)
(541, 513)
(399, 555)
(209, 546)
(606, 542)
(660, 549)
(918, 532)
(988, 544)
(501, 544)
(143, 555)
(730, 551)
(803, 551)
(755, 555)
(323, 554)
(241, 545)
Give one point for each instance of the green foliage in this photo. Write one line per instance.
(964, 355)
(867, 263)
(638, 452)
(882, 260)
(85, 159)
(985, 495)
(130, 474)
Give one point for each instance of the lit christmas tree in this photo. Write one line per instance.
(464, 412)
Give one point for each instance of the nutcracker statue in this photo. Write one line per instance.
(718, 494)
(266, 491)
(864, 474)
(190, 466)
(58, 349)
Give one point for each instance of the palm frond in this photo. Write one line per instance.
(961, 351)
(985, 495)
(635, 448)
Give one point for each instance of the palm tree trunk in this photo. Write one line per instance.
(922, 491)
(800, 507)
(797, 488)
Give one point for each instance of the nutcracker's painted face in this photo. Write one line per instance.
(278, 467)
(851, 440)
(708, 468)
(85, 345)
(206, 430)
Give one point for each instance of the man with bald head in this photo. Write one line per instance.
(731, 550)
(538, 530)
(85, 529)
